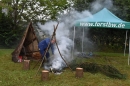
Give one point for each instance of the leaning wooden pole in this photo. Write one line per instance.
(61, 55)
(47, 47)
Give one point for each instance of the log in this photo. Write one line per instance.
(45, 75)
(79, 72)
(26, 64)
(36, 55)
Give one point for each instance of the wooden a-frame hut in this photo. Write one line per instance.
(27, 47)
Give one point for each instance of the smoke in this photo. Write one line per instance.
(5, 11)
(97, 5)
(64, 31)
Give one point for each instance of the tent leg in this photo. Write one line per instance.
(129, 52)
(73, 43)
(125, 42)
(82, 40)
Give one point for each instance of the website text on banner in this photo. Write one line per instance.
(108, 24)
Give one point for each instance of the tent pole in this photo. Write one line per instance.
(125, 42)
(73, 42)
(129, 52)
(82, 39)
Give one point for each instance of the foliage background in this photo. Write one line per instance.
(18, 14)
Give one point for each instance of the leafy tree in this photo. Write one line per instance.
(121, 8)
(7, 35)
(35, 10)
(81, 5)
(23, 11)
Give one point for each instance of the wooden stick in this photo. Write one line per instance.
(62, 56)
(36, 64)
(47, 48)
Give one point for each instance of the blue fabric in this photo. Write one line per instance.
(103, 16)
(43, 46)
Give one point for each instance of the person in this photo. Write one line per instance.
(43, 46)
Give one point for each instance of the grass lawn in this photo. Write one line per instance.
(12, 74)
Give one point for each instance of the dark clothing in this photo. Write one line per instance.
(43, 46)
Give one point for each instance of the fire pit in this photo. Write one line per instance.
(56, 71)
(55, 66)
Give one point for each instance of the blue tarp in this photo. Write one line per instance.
(103, 19)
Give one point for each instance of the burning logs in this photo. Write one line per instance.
(45, 75)
(26, 64)
(79, 72)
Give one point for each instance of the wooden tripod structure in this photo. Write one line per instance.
(53, 36)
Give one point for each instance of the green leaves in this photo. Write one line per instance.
(81, 5)
(7, 36)
(20, 12)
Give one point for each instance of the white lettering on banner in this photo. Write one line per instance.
(108, 24)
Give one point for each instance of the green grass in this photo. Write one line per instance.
(12, 74)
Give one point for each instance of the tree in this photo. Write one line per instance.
(121, 8)
(22, 12)
(7, 35)
(35, 10)
(81, 5)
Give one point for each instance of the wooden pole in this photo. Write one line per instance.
(61, 55)
(47, 48)
(26, 65)
(79, 72)
(45, 75)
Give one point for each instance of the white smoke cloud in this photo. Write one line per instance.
(99, 4)
(63, 36)
(63, 32)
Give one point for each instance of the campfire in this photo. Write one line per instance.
(55, 66)
(56, 71)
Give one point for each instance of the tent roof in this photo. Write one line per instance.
(103, 18)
